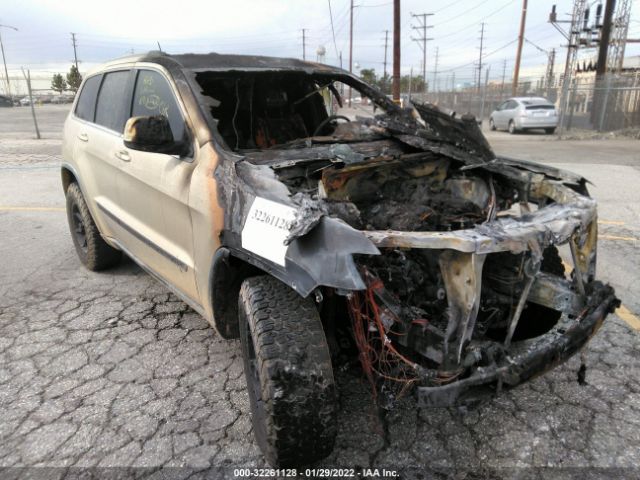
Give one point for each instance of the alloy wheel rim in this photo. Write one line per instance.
(79, 229)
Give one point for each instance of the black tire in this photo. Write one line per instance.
(289, 375)
(512, 127)
(492, 126)
(94, 252)
(550, 131)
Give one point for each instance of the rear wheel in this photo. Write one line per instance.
(512, 127)
(289, 375)
(93, 251)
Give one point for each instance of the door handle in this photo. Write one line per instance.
(83, 136)
(123, 155)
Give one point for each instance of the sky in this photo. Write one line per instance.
(106, 30)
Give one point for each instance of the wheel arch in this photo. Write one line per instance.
(68, 177)
(226, 275)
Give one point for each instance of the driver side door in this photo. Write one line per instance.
(154, 188)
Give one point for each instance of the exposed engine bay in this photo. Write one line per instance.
(445, 260)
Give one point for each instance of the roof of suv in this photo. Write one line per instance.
(222, 62)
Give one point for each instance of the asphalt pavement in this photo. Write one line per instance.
(109, 370)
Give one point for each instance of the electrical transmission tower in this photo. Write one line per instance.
(551, 61)
(575, 37)
(619, 31)
(422, 40)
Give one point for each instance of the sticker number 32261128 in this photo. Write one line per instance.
(266, 228)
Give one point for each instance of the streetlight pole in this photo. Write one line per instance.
(4, 59)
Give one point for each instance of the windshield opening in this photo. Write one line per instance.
(261, 110)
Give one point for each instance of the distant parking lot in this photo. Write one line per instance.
(110, 370)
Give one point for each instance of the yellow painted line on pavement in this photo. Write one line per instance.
(632, 320)
(610, 222)
(616, 237)
(623, 312)
(31, 209)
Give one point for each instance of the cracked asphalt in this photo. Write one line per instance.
(102, 371)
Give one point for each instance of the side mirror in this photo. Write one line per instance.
(152, 134)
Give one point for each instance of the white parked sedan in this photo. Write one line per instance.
(524, 113)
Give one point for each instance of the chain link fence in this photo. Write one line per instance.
(608, 104)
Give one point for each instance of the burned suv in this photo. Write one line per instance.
(254, 190)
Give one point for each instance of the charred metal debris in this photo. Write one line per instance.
(444, 257)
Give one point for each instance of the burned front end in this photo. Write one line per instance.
(459, 273)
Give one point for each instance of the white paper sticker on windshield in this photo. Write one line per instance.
(266, 228)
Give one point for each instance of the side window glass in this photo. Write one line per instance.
(111, 107)
(153, 96)
(86, 106)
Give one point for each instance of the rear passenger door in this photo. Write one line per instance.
(498, 115)
(509, 112)
(102, 108)
(155, 189)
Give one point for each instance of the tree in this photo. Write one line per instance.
(58, 83)
(74, 79)
(368, 75)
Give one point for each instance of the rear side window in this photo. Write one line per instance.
(87, 101)
(540, 107)
(153, 96)
(111, 109)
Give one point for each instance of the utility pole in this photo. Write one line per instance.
(27, 77)
(605, 35)
(75, 53)
(516, 71)
(422, 41)
(479, 79)
(484, 93)
(304, 44)
(435, 72)
(504, 76)
(410, 81)
(4, 59)
(396, 51)
(384, 75)
(350, 45)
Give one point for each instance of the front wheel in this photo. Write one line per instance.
(512, 127)
(289, 375)
(492, 126)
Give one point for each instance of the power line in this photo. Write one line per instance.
(333, 32)
(484, 56)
